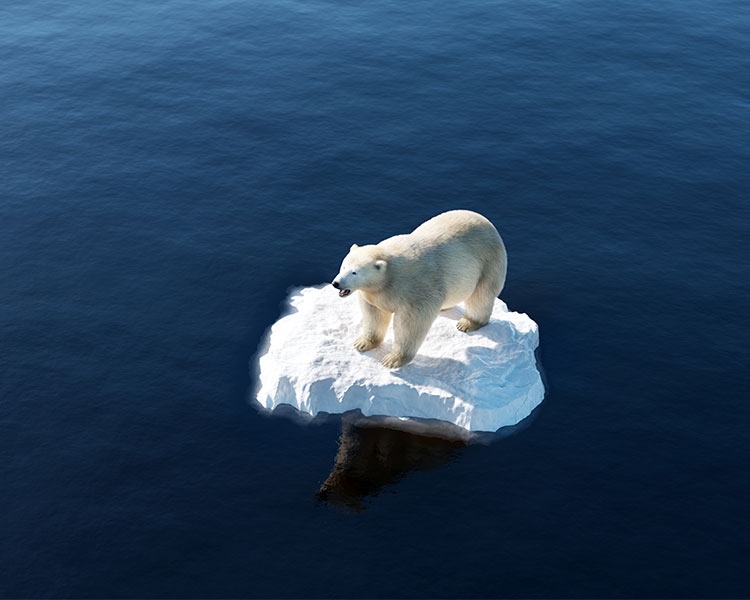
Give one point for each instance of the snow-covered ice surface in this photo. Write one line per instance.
(480, 381)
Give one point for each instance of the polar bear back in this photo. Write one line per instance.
(450, 253)
(466, 228)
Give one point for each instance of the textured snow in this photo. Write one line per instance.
(480, 381)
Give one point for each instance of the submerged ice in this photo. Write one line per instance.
(480, 381)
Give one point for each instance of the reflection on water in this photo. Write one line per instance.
(370, 457)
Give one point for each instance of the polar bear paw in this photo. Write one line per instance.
(365, 342)
(393, 360)
(467, 325)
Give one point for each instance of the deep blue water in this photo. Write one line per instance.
(168, 170)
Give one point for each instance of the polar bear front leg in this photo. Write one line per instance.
(374, 325)
(410, 327)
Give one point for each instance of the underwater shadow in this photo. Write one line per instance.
(371, 457)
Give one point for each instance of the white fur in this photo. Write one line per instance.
(457, 256)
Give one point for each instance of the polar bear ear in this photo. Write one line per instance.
(380, 265)
(354, 247)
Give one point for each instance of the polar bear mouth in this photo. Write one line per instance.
(344, 293)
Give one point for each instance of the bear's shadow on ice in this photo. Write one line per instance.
(436, 371)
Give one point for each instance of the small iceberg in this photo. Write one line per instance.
(479, 381)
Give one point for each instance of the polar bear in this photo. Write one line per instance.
(457, 256)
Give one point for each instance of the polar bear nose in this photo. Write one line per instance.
(335, 284)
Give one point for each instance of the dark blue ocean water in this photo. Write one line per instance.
(168, 169)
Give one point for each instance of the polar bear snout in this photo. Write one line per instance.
(342, 293)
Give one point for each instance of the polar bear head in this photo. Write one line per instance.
(362, 269)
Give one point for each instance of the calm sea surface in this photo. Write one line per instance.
(168, 169)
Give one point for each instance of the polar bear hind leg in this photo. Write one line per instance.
(479, 305)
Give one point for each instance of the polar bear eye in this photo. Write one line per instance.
(354, 272)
